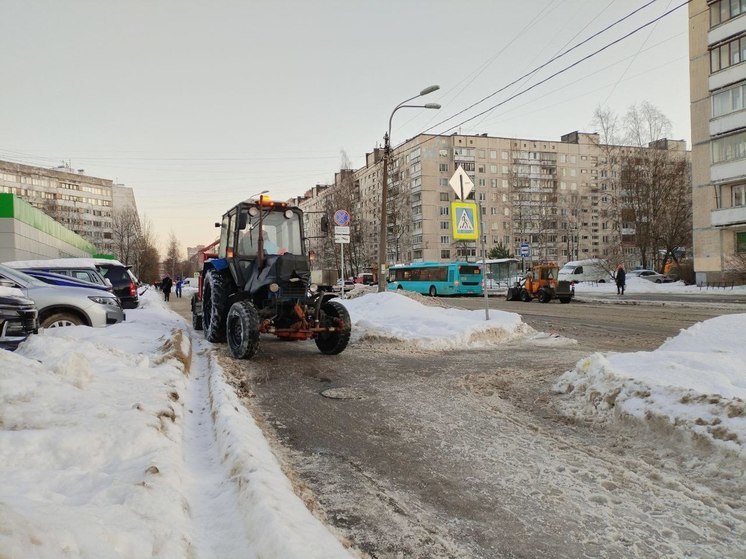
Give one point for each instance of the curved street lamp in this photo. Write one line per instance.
(384, 192)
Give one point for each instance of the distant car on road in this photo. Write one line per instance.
(649, 275)
(18, 318)
(65, 306)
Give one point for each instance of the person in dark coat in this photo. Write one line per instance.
(166, 284)
(620, 276)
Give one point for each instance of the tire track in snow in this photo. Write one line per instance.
(214, 505)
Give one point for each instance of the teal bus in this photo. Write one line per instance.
(437, 278)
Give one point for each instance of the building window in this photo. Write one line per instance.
(445, 254)
(444, 197)
(445, 240)
(731, 100)
(493, 168)
(723, 10)
(739, 195)
(729, 148)
(445, 224)
(728, 54)
(443, 182)
(444, 210)
(493, 183)
(443, 167)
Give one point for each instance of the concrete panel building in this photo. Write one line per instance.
(717, 53)
(564, 198)
(81, 203)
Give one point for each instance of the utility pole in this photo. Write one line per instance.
(383, 233)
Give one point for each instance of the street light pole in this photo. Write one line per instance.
(383, 233)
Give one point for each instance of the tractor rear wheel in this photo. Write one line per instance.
(525, 295)
(565, 300)
(332, 343)
(242, 330)
(215, 306)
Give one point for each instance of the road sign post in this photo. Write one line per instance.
(342, 236)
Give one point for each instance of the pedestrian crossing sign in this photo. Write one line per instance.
(465, 220)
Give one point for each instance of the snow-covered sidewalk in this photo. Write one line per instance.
(126, 442)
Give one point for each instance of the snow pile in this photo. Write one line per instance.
(696, 381)
(90, 432)
(639, 285)
(118, 442)
(392, 316)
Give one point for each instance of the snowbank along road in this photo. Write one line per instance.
(414, 453)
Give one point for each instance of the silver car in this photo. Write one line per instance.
(65, 306)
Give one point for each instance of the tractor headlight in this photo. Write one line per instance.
(313, 288)
(289, 214)
(274, 288)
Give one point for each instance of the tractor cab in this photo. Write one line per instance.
(262, 243)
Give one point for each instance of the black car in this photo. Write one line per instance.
(18, 320)
(122, 280)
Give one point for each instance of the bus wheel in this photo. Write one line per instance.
(433, 292)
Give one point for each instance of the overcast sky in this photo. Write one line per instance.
(199, 104)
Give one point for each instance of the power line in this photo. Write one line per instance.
(563, 70)
(554, 58)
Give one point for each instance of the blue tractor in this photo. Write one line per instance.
(259, 282)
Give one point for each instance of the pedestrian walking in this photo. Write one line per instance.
(620, 277)
(179, 285)
(166, 284)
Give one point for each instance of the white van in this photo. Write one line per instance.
(592, 269)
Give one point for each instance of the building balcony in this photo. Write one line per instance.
(726, 123)
(728, 76)
(727, 217)
(724, 30)
(721, 172)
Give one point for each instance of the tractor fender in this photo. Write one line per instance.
(218, 264)
(321, 298)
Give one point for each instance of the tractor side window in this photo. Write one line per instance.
(224, 235)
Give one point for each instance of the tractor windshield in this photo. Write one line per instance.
(281, 234)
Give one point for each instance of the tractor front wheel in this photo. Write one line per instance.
(334, 342)
(525, 296)
(544, 296)
(242, 330)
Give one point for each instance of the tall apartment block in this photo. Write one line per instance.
(717, 53)
(81, 203)
(564, 198)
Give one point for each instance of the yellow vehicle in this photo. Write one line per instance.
(541, 283)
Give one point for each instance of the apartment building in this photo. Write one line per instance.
(717, 54)
(81, 203)
(565, 198)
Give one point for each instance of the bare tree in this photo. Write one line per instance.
(125, 234)
(173, 258)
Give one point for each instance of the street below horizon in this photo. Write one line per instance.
(467, 453)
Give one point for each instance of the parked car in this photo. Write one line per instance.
(97, 270)
(18, 318)
(65, 306)
(591, 269)
(649, 275)
(122, 280)
(53, 278)
(83, 269)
